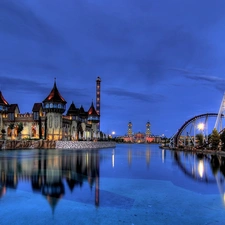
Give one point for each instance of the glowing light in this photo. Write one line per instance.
(201, 168)
(201, 126)
(113, 132)
(113, 158)
(163, 156)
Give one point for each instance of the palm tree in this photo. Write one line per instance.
(19, 129)
(11, 127)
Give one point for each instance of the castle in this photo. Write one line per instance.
(46, 121)
(140, 137)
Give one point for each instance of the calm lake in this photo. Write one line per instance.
(130, 184)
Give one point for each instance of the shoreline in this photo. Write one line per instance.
(46, 144)
(199, 151)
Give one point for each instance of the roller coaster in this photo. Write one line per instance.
(180, 138)
(200, 124)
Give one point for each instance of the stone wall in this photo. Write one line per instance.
(26, 144)
(84, 144)
(46, 144)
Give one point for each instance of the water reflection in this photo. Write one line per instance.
(56, 174)
(209, 169)
(47, 171)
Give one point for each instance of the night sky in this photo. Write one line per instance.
(161, 61)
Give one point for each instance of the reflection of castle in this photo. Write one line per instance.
(140, 137)
(47, 120)
(48, 172)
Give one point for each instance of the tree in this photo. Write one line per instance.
(19, 129)
(215, 139)
(222, 138)
(200, 139)
(11, 127)
(3, 133)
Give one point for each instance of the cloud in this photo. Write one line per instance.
(124, 94)
(20, 22)
(211, 79)
(24, 86)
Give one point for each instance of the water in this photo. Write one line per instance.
(131, 184)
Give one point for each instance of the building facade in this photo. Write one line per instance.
(48, 121)
(140, 137)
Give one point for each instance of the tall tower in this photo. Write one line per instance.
(129, 131)
(54, 106)
(148, 131)
(98, 89)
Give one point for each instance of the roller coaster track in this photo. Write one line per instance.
(179, 132)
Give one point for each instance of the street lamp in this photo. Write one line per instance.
(201, 126)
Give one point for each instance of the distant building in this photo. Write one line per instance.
(140, 137)
(46, 121)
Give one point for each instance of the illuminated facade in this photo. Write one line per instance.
(46, 121)
(140, 137)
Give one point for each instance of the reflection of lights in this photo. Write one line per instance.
(163, 156)
(129, 156)
(201, 126)
(113, 158)
(201, 168)
(148, 157)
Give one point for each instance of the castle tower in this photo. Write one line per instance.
(129, 131)
(54, 106)
(148, 131)
(98, 89)
(4, 105)
(93, 118)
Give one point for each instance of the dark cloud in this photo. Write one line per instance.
(122, 93)
(19, 21)
(36, 91)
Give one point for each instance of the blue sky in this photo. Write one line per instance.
(159, 61)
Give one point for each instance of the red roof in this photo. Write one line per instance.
(2, 100)
(55, 96)
(92, 110)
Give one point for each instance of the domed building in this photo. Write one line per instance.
(47, 119)
(140, 137)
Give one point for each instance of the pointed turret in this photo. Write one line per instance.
(82, 112)
(72, 111)
(93, 116)
(54, 101)
(4, 105)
